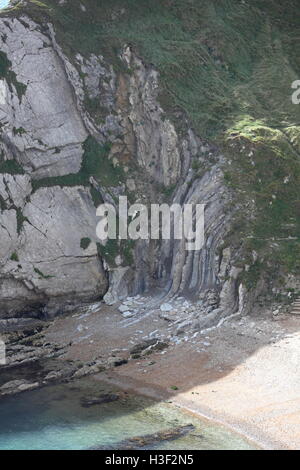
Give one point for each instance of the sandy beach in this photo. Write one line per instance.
(244, 374)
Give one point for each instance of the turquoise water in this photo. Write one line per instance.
(53, 418)
(4, 4)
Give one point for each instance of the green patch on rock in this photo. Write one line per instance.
(19, 131)
(10, 76)
(3, 205)
(95, 163)
(11, 167)
(14, 257)
(20, 220)
(42, 275)
(114, 248)
(85, 243)
(96, 196)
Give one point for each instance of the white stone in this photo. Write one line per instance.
(123, 308)
(127, 314)
(166, 307)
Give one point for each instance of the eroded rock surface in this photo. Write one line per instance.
(42, 134)
(40, 123)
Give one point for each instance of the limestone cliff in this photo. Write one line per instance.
(79, 127)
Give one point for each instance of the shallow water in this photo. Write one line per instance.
(53, 418)
(4, 4)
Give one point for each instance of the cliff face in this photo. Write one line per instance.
(78, 128)
(42, 136)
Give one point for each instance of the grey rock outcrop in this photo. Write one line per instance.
(41, 258)
(41, 127)
(157, 146)
(17, 386)
(50, 263)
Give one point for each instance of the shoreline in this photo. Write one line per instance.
(255, 437)
(242, 375)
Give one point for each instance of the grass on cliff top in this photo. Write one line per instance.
(217, 59)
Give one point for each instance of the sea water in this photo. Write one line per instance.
(53, 418)
(4, 4)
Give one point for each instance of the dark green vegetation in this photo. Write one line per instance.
(11, 167)
(14, 257)
(113, 248)
(229, 65)
(10, 76)
(42, 275)
(85, 243)
(94, 163)
(267, 172)
(20, 219)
